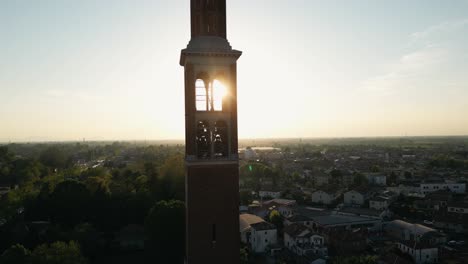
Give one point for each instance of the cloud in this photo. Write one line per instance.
(443, 28)
(408, 71)
(435, 58)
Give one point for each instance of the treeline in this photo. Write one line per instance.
(445, 161)
(54, 200)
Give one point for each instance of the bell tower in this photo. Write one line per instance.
(212, 166)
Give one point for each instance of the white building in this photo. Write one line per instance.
(324, 197)
(405, 231)
(429, 187)
(269, 194)
(354, 198)
(345, 221)
(284, 206)
(377, 179)
(263, 235)
(301, 240)
(250, 154)
(405, 189)
(420, 252)
(459, 208)
(256, 232)
(379, 203)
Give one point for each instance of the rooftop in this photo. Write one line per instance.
(340, 219)
(247, 220)
(263, 226)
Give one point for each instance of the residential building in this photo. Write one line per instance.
(284, 206)
(346, 242)
(325, 196)
(405, 231)
(452, 222)
(376, 179)
(256, 232)
(459, 208)
(405, 188)
(364, 212)
(344, 222)
(355, 197)
(422, 253)
(379, 203)
(428, 187)
(270, 193)
(300, 240)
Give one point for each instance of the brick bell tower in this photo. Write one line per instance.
(212, 168)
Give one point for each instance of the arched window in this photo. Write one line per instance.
(209, 98)
(220, 140)
(203, 140)
(219, 92)
(201, 96)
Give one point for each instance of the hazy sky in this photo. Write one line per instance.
(108, 69)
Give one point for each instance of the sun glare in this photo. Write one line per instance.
(219, 92)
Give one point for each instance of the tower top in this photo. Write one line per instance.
(208, 18)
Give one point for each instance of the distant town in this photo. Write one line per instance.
(394, 200)
(314, 201)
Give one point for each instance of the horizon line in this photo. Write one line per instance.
(3, 142)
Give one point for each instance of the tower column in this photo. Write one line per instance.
(212, 166)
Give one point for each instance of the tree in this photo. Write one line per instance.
(245, 197)
(16, 254)
(276, 219)
(58, 253)
(54, 157)
(24, 170)
(69, 202)
(408, 175)
(336, 176)
(165, 226)
(360, 180)
(244, 255)
(392, 179)
(375, 168)
(171, 179)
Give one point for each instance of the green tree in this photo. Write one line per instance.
(245, 197)
(171, 180)
(58, 253)
(392, 179)
(375, 168)
(360, 180)
(54, 157)
(165, 226)
(276, 219)
(336, 176)
(16, 254)
(244, 255)
(69, 202)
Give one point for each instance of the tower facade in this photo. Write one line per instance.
(212, 168)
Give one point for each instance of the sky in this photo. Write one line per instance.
(109, 69)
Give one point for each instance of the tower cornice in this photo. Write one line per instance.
(208, 46)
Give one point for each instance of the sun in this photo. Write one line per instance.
(219, 92)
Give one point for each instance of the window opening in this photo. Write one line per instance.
(220, 139)
(203, 140)
(213, 235)
(209, 98)
(201, 96)
(219, 92)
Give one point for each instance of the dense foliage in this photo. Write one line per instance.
(89, 196)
